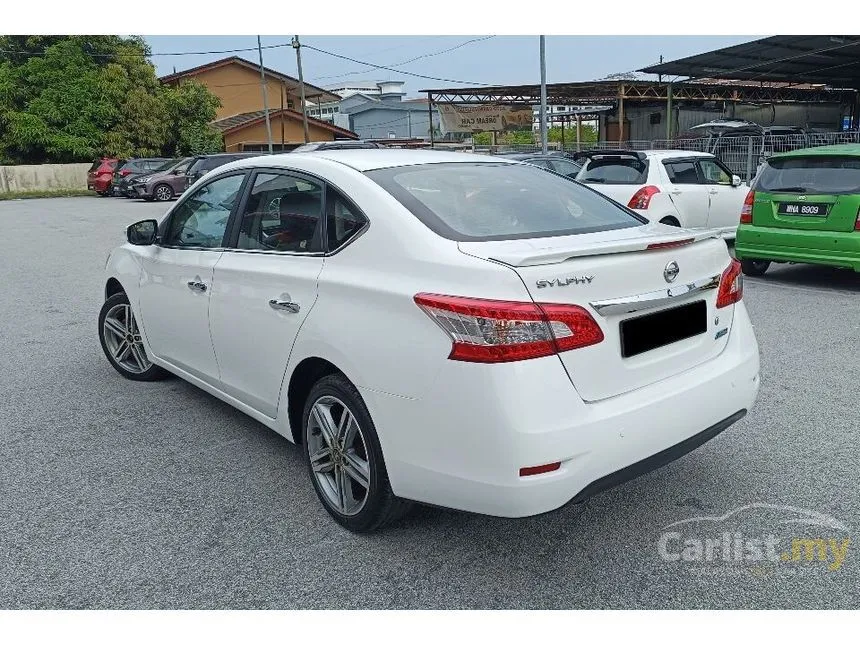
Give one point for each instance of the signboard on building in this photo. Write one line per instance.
(484, 118)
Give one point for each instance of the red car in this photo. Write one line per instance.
(100, 175)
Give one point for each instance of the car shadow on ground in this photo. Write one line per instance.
(812, 276)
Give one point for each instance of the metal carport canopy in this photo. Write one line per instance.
(826, 60)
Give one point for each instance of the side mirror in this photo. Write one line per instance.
(142, 233)
(736, 181)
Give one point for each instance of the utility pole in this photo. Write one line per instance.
(543, 144)
(265, 95)
(298, 47)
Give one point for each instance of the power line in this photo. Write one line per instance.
(391, 69)
(145, 55)
(411, 60)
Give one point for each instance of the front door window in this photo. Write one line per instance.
(201, 220)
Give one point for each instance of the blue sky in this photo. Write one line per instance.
(499, 60)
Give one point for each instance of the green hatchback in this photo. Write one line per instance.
(804, 207)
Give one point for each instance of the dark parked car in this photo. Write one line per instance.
(165, 184)
(557, 162)
(350, 144)
(201, 164)
(100, 175)
(124, 174)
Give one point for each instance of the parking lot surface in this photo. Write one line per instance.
(118, 494)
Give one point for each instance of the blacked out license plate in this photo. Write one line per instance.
(644, 333)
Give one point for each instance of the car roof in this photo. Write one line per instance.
(659, 154)
(363, 159)
(848, 149)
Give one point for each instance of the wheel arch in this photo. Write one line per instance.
(307, 372)
(113, 287)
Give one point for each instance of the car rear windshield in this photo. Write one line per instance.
(814, 175)
(500, 201)
(615, 170)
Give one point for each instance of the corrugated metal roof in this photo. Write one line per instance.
(816, 60)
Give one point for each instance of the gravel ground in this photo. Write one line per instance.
(116, 494)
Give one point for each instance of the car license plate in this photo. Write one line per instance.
(644, 333)
(802, 209)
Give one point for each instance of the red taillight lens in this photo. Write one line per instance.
(731, 285)
(124, 172)
(857, 221)
(642, 198)
(747, 209)
(500, 331)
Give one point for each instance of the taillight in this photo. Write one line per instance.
(731, 285)
(500, 331)
(124, 172)
(747, 208)
(642, 198)
(857, 221)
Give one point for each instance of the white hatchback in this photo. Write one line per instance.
(454, 329)
(675, 187)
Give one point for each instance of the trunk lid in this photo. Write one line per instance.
(615, 277)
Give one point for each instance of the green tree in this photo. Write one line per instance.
(72, 98)
(587, 134)
(190, 108)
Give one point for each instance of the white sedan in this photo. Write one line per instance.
(454, 329)
(675, 187)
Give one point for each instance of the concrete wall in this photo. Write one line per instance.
(43, 177)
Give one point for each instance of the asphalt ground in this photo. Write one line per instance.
(117, 494)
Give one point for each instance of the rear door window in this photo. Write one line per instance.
(615, 170)
(813, 175)
(500, 201)
(682, 172)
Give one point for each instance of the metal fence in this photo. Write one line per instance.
(742, 155)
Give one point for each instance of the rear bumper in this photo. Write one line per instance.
(792, 245)
(463, 444)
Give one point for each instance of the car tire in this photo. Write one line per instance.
(162, 193)
(670, 221)
(101, 193)
(117, 326)
(754, 267)
(339, 476)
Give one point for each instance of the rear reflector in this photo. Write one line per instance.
(731, 285)
(747, 208)
(501, 331)
(539, 470)
(642, 197)
(669, 245)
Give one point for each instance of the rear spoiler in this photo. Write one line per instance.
(590, 154)
(555, 250)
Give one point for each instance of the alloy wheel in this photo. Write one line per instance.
(123, 341)
(338, 455)
(162, 193)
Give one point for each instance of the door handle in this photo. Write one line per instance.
(284, 305)
(195, 285)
